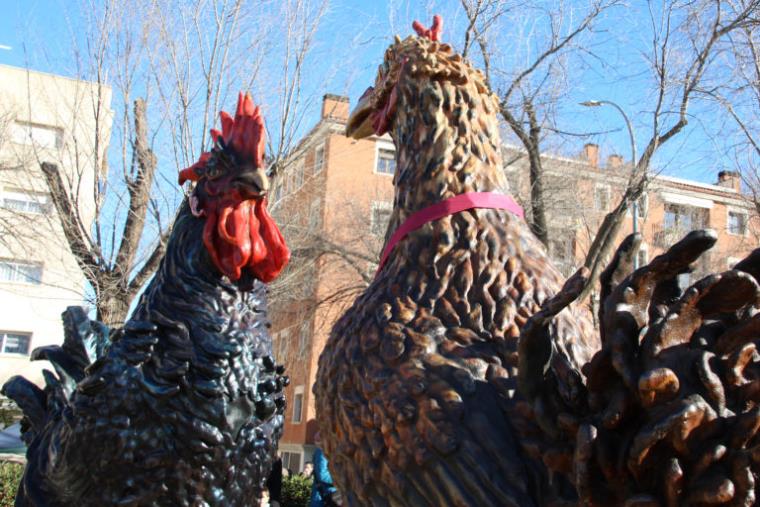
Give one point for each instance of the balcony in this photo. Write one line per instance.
(665, 237)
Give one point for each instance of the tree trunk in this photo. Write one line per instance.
(606, 236)
(537, 205)
(112, 309)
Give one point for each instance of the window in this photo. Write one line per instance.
(561, 248)
(381, 215)
(20, 272)
(737, 223)
(291, 461)
(304, 338)
(26, 202)
(643, 205)
(315, 215)
(15, 343)
(297, 405)
(284, 183)
(41, 136)
(386, 161)
(319, 159)
(280, 342)
(684, 217)
(291, 179)
(642, 256)
(601, 197)
(307, 280)
(298, 175)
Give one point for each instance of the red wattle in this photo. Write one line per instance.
(258, 247)
(243, 234)
(382, 119)
(279, 254)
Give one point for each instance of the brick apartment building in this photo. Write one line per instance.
(580, 192)
(334, 196)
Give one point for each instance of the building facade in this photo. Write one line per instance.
(334, 196)
(580, 191)
(43, 118)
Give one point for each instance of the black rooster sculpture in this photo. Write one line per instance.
(183, 405)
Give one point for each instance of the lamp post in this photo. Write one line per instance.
(634, 206)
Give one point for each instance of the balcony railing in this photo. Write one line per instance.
(665, 237)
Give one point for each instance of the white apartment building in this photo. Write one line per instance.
(43, 118)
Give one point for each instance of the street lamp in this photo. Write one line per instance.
(635, 206)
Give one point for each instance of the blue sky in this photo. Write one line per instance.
(38, 33)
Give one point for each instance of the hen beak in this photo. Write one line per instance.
(359, 123)
(254, 183)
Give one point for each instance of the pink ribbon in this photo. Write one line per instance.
(450, 206)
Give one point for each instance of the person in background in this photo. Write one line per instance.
(323, 491)
(308, 469)
(274, 483)
(264, 499)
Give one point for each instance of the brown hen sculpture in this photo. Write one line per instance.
(416, 383)
(463, 375)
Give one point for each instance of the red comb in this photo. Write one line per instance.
(244, 135)
(434, 32)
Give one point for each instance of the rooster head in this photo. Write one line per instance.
(230, 195)
(412, 58)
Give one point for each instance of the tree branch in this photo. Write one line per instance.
(84, 252)
(139, 193)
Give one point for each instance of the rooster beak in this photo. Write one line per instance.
(359, 123)
(255, 183)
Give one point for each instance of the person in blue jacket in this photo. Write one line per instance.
(323, 491)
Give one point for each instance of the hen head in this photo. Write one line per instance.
(416, 57)
(230, 195)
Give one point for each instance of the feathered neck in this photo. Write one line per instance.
(186, 283)
(447, 142)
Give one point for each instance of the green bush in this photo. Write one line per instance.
(296, 491)
(9, 412)
(10, 476)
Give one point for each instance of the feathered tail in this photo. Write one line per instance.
(669, 412)
(85, 341)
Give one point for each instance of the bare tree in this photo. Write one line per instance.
(344, 253)
(685, 39)
(169, 68)
(740, 98)
(529, 93)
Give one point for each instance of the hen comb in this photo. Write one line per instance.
(243, 135)
(434, 32)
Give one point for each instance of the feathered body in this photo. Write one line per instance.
(181, 406)
(463, 376)
(416, 382)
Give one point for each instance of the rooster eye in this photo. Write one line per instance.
(213, 172)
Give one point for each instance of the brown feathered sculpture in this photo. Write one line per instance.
(463, 376)
(669, 414)
(415, 388)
